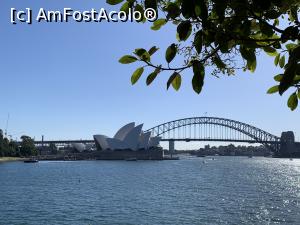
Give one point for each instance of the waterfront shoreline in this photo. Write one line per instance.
(106, 155)
(11, 159)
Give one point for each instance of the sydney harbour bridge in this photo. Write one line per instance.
(212, 129)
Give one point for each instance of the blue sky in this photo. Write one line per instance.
(64, 80)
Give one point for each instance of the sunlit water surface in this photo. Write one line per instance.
(227, 190)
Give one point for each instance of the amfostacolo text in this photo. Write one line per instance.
(68, 14)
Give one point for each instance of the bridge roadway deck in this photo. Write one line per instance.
(168, 139)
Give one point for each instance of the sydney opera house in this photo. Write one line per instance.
(129, 137)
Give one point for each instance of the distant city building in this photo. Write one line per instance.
(129, 137)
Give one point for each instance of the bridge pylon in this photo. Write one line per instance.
(171, 146)
(288, 146)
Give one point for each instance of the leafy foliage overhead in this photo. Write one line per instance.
(218, 33)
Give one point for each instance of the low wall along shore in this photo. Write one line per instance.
(109, 155)
(10, 159)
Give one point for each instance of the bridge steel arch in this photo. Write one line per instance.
(254, 134)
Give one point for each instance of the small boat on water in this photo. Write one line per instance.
(31, 161)
(171, 158)
(131, 159)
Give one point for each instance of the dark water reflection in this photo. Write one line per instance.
(228, 190)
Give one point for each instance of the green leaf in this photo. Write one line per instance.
(152, 50)
(175, 80)
(276, 60)
(126, 59)
(202, 11)
(171, 53)
(170, 80)
(298, 69)
(150, 4)
(219, 63)
(140, 51)
(298, 94)
(297, 79)
(198, 41)
(152, 76)
(290, 33)
(114, 2)
(173, 10)
(278, 77)
(143, 54)
(158, 24)
(249, 55)
(125, 7)
(273, 90)
(277, 45)
(290, 46)
(295, 54)
(293, 101)
(251, 65)
(188, 9)
(270, 51)
(136, 75)
(266, 29)
(140, 9)
(288, 77)
(198, 10)
(198, 78)
(276, 22)
(184, 30)
(220, 7)
(293, 13)
(282, 61)
(273, 14)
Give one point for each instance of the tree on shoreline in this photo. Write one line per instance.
(7, 147)
(1, 144)
(11, 149)
(27, 146)
(220, 34)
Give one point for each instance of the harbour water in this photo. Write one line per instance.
(227, 190)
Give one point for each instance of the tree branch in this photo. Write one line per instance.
(184, 67)
(263, 21)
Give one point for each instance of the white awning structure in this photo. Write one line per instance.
(79, 147)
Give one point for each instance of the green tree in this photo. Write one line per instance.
(27, 146)
(217, 34)
(53, 148)
(7, 147)
(13, 149)
(1, 144)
